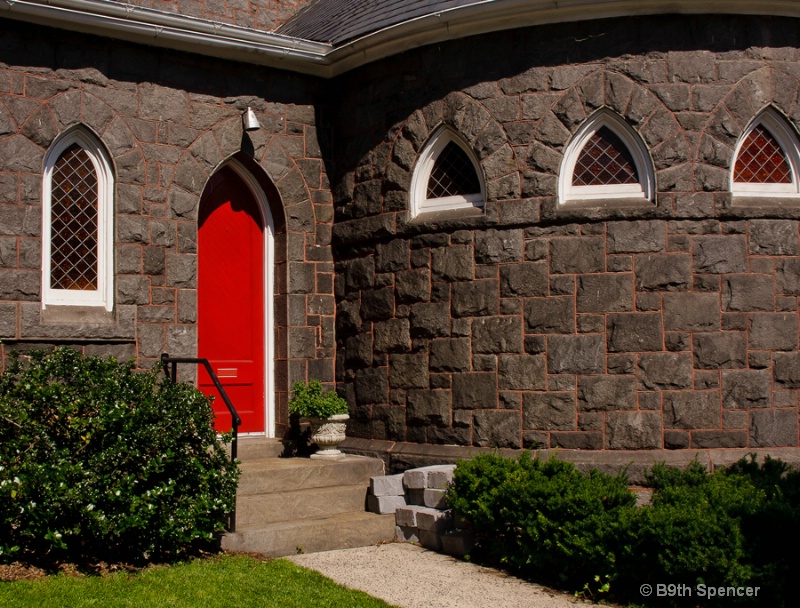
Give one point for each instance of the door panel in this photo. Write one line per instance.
(230, 298)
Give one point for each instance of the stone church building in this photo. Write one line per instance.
(497, 223)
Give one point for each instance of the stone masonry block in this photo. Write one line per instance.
(436, 477)
(552, 411)
(553, 315)
(748, 293)
(636, 237)
(664, 371)
(430, 320)
(720, 350)
(606, 393)
(691, 311)
(450, 355)
(720, 254)
(773, 237)
(605, 293)
(577, 255)
(773, 331)
(691, 410)
(496, 428)
(787, 369)
(773, 428)
(385, 504)
(634, 332)
(458, 543)
(746, 389)
(582, 354)
(431, 540)
(474, 390)
(633, 431)
(426, 407)
(406, 534)
(521, 372)
(475, 298)
(453, 263)
(434, 520)
(407, 516)
(663, 272)
(387, 485)
(497, 335)
(496, 246)
(527, 279)
(435, 499)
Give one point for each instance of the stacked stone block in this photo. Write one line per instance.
(665, 325)
(421, 512)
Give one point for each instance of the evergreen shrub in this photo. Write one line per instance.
(544, 519)
(99, 461)
(736, 527)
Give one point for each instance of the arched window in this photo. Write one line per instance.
(766, 159)
(446, 176)
(606, 160)
(77, 234)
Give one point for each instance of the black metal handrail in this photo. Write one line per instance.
(236, 421)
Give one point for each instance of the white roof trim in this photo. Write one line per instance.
(158, 28)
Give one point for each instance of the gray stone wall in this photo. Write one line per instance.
(168, 121)
(670, 326)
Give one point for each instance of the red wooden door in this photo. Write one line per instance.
(230, 298)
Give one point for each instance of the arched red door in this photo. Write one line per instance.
(230, 298)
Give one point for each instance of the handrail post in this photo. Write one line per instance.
(236, 420)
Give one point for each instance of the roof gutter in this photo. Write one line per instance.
(169, 30)
(485, 16)
(157, 28)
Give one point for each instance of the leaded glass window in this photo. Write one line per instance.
(73, 212)
(605, 161)
(761, 160)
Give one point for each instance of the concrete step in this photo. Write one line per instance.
(252, 448)
(270, 475)
(257, 509)
(342, 531)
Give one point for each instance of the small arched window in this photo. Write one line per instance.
(77, 237)
(606, 160)
(446, 176)
(766, 159)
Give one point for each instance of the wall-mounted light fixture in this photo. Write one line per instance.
(249, 120)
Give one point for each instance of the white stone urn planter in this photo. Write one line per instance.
(328, 433)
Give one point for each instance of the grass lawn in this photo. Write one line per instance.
(229, 581)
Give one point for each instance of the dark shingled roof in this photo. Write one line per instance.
(339, 21)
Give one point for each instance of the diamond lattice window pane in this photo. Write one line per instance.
(761, 160)
(605, 161)
(453, 174)
(73, 258)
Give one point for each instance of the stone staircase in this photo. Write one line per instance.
(286, 506)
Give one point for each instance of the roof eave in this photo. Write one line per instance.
(179, 32)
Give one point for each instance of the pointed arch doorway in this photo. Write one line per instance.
(234, 297)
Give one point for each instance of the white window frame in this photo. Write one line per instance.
(420, 203)
(103, 296)
(643, 191)
(787, 140)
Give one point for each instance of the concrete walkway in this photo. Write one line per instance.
(409, 576)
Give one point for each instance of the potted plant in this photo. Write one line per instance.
(326, 411)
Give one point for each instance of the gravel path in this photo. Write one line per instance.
(409, 576)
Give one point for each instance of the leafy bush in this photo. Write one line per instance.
(691, 532)
(311, 401)
(544, 519)
(98, 461)
(547, 521)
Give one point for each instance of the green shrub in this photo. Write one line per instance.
(311, 401)
(545, 519)
(98, 461)
(691, 533)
